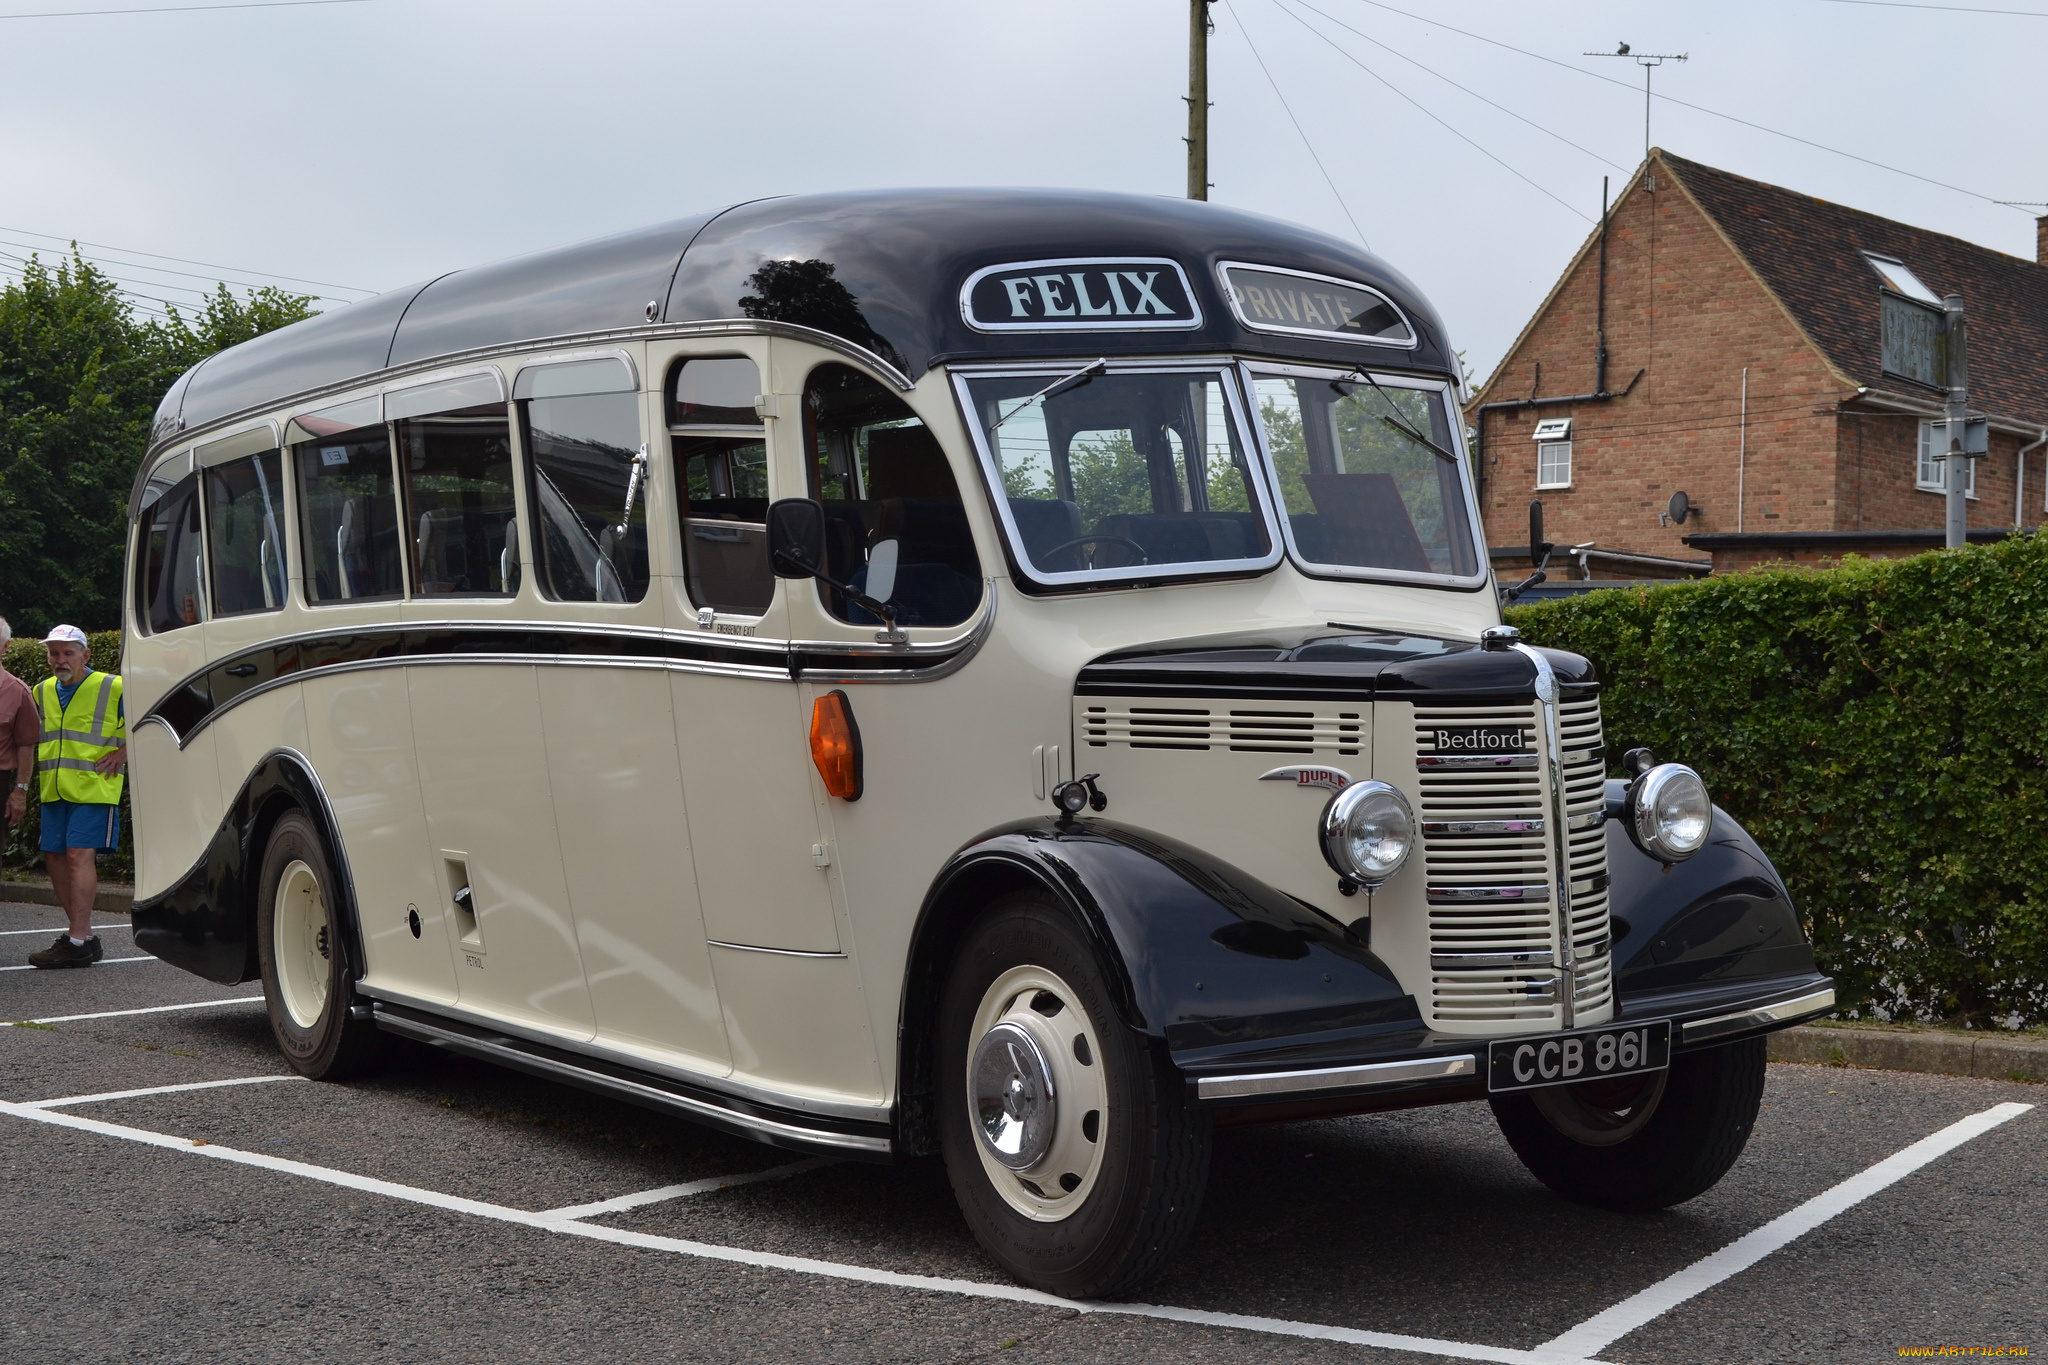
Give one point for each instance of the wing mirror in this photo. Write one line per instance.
(1539, 554)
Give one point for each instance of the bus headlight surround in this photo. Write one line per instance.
(1668, 813)
(1367, 832)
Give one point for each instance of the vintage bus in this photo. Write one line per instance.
(1008, 676)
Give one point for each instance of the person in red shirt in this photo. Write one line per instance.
(20, 732)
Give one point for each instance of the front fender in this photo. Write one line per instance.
(1206, 957)
(1721, 916)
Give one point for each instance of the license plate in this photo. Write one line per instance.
(1568, 1058)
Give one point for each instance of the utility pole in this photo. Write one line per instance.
(1956, 333)
(1648, 61)
(1198, 99)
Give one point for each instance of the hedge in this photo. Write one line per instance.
(1882, 729)
(26, 660)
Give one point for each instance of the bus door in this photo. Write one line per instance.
(477, 728)
(785, 983)
(612, 763)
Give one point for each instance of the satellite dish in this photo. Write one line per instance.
(1680, 507)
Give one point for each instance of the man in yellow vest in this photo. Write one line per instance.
(84, 747)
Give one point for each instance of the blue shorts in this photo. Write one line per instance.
(80, 824)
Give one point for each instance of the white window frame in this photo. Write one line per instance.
(1930, 475)
(1550, 435)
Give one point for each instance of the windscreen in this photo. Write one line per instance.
(1122, 471)
(1366, 475)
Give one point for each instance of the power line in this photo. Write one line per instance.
(1419, 105)
(1297, 125)
(158, 256)
(166, 270)
(124, 279)
(1467, 89)
(180, 9)
(1687, 104)
(1945, 9)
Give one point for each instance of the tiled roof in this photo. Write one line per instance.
(1807, 251)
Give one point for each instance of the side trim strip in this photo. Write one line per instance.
(533, 1062)
(1269, 1084)
(1762, 1016)
(777, 952)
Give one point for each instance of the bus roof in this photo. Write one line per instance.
(883, 269)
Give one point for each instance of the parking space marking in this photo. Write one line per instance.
(8, 933)
(1603, 1329)
(768, 1260)
(684, 1191)
(106, 1095)
(103, 962)
(146, 1009)
(1575, 1347)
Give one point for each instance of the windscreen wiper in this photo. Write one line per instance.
(1399, 425)
(1074, 380)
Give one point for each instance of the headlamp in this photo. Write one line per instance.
(1668, 812)
(1366, 832)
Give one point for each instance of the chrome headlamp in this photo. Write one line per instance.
(1668, 812)
(1367, 831)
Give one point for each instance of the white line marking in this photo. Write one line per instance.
(103, 962)
(1603, 1329)
(768, 1260)
(106, 1095)
(4, 933)
(667, 1192)
(147, 1009)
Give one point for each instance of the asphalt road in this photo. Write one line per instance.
(130, 1244)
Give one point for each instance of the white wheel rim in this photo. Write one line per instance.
(299, 943)
(1593, 1126)
(1051, 1091)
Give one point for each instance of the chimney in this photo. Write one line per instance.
(2041, 239)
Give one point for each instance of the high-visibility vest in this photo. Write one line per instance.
(77, 737)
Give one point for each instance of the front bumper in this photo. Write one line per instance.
(1427, 1068)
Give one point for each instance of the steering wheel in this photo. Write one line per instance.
(1089, 540)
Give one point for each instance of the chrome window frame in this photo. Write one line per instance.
(1250, 371)
(1227, 372)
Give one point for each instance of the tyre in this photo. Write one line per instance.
(1639, 1143)
(1072, 1146)
(306, 982)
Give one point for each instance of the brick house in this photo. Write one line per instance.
(1747, 364)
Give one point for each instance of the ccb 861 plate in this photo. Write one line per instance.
(1586, 1055)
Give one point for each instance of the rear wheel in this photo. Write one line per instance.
(1069, 1139)
(306, 981)
(1638, 1143)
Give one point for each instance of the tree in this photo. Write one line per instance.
(80, 379)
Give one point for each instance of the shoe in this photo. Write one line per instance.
(65, 953)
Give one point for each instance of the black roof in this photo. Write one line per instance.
(882, 269)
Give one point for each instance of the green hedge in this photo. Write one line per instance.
(1882, 729)
(26, 660)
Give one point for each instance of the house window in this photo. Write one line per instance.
(1931, 475)
(1554, 453)
(1897, 277)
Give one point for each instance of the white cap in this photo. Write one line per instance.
(69, 634)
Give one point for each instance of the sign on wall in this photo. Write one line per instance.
(1912, 340)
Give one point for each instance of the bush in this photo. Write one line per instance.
(26, 660)
(1882, 729)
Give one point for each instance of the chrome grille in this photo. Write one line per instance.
(1496, 951)
(1269, 728)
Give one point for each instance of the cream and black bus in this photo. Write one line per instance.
(1007, 676)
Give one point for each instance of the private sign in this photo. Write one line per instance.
(1087, 295)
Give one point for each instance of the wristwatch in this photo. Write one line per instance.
(21, 786)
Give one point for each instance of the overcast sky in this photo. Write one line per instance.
(377, 142)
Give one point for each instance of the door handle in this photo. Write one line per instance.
(242, 671)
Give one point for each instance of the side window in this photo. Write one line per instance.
(457, 468)
(169, 586)
(895, 525)
(348, 516)
(586, 465)
(245, 534)
(721, 457)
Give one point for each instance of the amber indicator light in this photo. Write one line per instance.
(835, 745)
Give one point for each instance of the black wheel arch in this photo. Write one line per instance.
(205, 921)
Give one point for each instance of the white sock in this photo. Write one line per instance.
(76, 942)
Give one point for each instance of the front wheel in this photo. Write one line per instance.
(306, 981)
(1072, 1147)
(1640, 1143)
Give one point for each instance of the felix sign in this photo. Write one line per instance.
(1091, 294)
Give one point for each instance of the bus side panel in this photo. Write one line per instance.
(247, 734)
(359, 729)
(174, 795)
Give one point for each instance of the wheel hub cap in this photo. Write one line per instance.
(1015, 1109)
